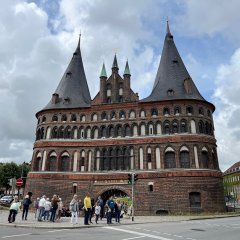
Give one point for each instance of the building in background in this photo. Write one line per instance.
(85, 144)
(231, 182)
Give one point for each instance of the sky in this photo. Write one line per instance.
(38, 38)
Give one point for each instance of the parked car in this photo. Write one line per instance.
(6, 199)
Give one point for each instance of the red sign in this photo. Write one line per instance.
(19, 182)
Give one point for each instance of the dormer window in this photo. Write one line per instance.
(170, 92)
(66, 100)
(64, 118)
(43, 119)
(175, 60)
(166, 111)
(68, 74)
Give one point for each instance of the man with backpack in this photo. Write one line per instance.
(110, 204)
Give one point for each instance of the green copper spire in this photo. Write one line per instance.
(127, 70)
(115, 63)
(103, 72)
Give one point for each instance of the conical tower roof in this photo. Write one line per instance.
(172, 80)
(103, 72)
(127, 70)
(72, 91)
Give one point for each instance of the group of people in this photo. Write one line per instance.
(96, 209)
(51, 210)
(48, 210)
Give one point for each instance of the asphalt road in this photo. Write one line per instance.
(213, 229)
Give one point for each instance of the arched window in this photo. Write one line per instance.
(103, 132)
(132, 114)
(61, 132)
(201, 127)
(119, 130)
(177, 111)
(120, 92)
(112, 159)
(127, 131)
(64, 162)
(189, 110)
(67, 132)
(104, 116)
(126, 160)
(113, 115)
(73, 118)
(166, 127)
(43, 119)
(111, 131)
(183, 126)
(42, 133)
(52, 162)
(64, 118)
(169, 159)
(175, 127)
(154, 112)
(205, 159)
(166, 111)
(88, 132)
(200, 111)
(94, 117)
(83, 118)
(142, 114)
(184, 159)
(54, 118)
(122, 114)
(55, 132)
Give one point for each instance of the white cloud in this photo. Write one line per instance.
(227, 117)
(210, 17)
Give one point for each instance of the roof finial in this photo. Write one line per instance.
(79, 40)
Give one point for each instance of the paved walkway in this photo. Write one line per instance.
(65, 222)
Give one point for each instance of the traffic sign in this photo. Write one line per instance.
(19, 182)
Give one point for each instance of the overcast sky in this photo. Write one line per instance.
(37, 39)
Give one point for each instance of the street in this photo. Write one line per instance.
(212, 229)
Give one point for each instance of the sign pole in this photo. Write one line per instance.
(132, 197)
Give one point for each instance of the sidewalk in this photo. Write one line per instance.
(65, 222)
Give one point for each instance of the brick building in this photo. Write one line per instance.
(85, 144)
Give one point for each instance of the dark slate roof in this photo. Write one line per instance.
(72, 91)
(234, 168)
(169, 82)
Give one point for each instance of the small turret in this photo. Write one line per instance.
(127, 70)
(115, 64)
(103, 73)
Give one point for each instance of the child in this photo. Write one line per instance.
(97, 212)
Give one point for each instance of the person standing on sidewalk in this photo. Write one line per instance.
(87, 208)
(47, 207)
(110, 204)
(97, 212)
(41, 206)
(54, 208)
(118, 209)
(26, 202)
(100, 202)
(13, 210)
(74, 210)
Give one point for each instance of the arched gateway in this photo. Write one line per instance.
(115, 192)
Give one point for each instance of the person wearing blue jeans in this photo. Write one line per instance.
(110, 204)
